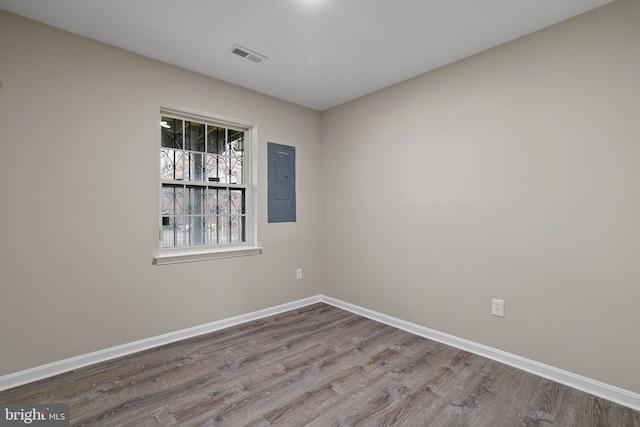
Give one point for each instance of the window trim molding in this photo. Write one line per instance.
(179, 256)
(166, 256)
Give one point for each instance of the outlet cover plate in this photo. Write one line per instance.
(497, 307)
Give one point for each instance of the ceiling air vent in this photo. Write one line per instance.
(247, 54)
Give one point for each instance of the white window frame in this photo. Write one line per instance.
(227, 250)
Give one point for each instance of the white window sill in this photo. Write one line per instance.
(192, 255)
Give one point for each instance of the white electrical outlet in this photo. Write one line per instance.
(299, 274)
(497, 307)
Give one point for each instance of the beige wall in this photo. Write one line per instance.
(79, 200)
(514, 174)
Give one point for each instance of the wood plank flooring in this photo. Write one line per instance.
(315, 366)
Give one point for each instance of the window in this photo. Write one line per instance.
(204, 183)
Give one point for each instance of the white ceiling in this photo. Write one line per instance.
(321, 53)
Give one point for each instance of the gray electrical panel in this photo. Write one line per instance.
(281, 170)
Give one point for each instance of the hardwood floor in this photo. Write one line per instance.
(315, 366)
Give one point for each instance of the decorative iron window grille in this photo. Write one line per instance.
(203, 182)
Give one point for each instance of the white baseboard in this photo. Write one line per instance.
(49, 370)
(596, 388)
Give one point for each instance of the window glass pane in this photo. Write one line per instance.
(195, 200)
(211, 230)
(236, 171)
(171, 132)
(236, 202)
(182, 232)
(169, 231)
(212, 204)
(224, 206)
(196, 229)
(224, 171)
(172, 200)
(236, 153)
(216, 168)
(237, 229)
(215, 139)
(236, 147)
(195, 167)
(172, 164)
(194, 136)
(175, 233)
(224, 230)
(211, 168)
